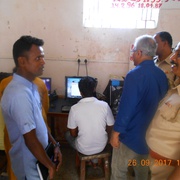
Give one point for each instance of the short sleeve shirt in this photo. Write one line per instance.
(165, 66)
(91, 116)
(21, 107)
(163, 135)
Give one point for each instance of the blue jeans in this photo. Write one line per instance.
(123, 157)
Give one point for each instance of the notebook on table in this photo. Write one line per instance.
(43, 170)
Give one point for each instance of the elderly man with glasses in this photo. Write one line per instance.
(144, 87)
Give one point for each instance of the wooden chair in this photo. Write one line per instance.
(104, 156)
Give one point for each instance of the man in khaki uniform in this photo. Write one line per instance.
(164, 52)
(163, 134)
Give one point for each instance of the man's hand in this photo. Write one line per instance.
(114, 140)
(57, 153)
(51, 172)
(57, 162)
(57, 157)
(38, 151)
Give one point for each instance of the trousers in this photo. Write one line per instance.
(122, 158)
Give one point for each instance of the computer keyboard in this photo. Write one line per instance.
(66, 108)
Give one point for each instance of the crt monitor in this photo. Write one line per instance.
(47, 81)
(71, 87)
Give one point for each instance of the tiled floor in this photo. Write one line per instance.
(68, 170)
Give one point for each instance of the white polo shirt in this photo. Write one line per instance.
(91, 116)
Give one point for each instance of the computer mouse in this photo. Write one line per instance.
(52, 105)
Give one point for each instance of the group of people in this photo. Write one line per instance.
(163, 134)
(145, 133)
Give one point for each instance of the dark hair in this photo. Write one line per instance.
(165, 36)
(23, 45)
(87, 86)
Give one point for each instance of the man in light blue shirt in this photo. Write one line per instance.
(21, 107)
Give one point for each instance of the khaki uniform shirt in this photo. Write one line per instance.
(163, 134)
(165, 65)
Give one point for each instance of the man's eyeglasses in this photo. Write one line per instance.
(133, 50)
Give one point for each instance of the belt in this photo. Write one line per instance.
(158, 157)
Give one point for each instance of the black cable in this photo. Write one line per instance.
(78, 66)
(85, 61)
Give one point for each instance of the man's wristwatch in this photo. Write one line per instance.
(56, 145)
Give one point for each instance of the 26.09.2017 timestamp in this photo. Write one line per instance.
(156, 162)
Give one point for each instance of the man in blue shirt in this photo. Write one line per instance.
(21, 107)
(144, 87)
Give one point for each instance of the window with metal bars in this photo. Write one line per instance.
(138, 14)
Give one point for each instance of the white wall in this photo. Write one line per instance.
(59, 24)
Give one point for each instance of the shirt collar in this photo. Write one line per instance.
(148, 61)
(167, 60)
(24, 81)
(178, 88)
(88, 99)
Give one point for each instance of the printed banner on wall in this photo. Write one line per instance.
(139, 3)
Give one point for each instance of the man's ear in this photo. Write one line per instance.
(139, 52)
(165, 43)
(94, 89)
(21, 60)
(81, 94)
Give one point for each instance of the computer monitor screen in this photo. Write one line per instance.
(47, 81)
(71, 87)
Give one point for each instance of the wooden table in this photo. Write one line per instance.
(57, 120)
